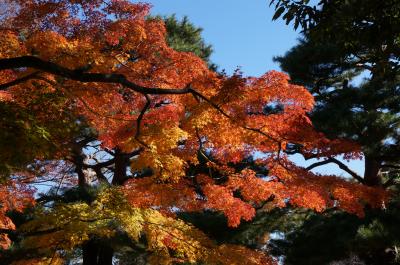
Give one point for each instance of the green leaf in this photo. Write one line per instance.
(278, 13)
(296, 23)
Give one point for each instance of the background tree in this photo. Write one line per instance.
(372, 240)
(348, 58)
(157, 134)
(184, 36)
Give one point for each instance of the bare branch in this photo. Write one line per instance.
(112, 161)
(317, 164)
(341, 166)
(100, 176)
(390, 182)
(100, 165)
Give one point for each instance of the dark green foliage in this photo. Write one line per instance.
(297, 10)
(309, 244)
(366, 112)
(19, 129)
(184, 36)
(338, 236)
(349, 58)
(45, 132)
(214, 224)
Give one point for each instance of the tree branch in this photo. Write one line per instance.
(100, 165)
(220, 110)
(100, 176)
(112, 161)
(390, 166)
(140, 117)
(341, 166)
(390, 182)
(79, 75)
(84, 77)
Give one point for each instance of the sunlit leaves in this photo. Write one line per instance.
(14, 196)
(220, 198)
(10, 45)
(170, 240)
(182, 149)
(69, 225)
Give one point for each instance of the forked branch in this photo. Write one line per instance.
(341, 166)
(85, 77)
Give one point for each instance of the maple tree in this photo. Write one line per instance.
(129, 132)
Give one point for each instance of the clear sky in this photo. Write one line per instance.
(243, 34)
(241, 31)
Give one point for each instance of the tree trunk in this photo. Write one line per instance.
(95, 253)
(371, 174)
(78, 158)
(89, 253)
(98, 253)
(106, 254)
(120, 167)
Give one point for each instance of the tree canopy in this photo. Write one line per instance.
(130, 134)
(349, 59)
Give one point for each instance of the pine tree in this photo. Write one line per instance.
(348, 58)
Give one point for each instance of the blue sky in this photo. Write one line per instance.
(242, 34)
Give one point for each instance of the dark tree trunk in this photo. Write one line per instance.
(79, 171)
(95, 253)
(89, 253)
(98, 253)
(371, 174)
(121, 165)
(78, 158)
(106, 254)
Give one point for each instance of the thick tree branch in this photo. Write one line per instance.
(112, 161)
(100, 165)
(100, 175)
(140, 117)
(341, 166)
(78, 75)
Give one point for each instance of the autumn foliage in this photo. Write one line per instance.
(78, 74)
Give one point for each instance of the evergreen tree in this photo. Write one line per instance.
(184, 36)
(348, 58)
